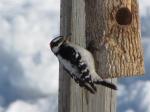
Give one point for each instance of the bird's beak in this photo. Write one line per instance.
(67, 37)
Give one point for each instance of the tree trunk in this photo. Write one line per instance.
(110, 30)
(114, 28)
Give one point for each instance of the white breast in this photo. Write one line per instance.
(71, 68)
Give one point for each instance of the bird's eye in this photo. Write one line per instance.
(56, 41)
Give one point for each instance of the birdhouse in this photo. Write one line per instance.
(113, 31)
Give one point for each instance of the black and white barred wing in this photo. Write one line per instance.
(88, 60)
(70, 58)
(76, 60)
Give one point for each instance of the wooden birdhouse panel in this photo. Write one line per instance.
(117, 47)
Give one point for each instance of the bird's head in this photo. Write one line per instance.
(57, 42)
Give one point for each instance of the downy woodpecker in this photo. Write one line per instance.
(79, 64)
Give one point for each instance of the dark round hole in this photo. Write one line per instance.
(124, 16)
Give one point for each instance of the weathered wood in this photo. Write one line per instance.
(64, 79)
(71, 97)
(114, 40)
(114, 28)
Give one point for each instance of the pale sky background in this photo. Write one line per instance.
(29, 70)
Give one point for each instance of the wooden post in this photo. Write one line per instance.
(113, 39)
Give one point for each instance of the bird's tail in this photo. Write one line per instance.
(98, 80)
(106, 83)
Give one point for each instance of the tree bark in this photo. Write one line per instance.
(110, 30)
(114, 28)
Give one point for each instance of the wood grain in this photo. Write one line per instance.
(116, 49)
(119, 51)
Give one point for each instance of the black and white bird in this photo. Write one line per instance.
(79, 64)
